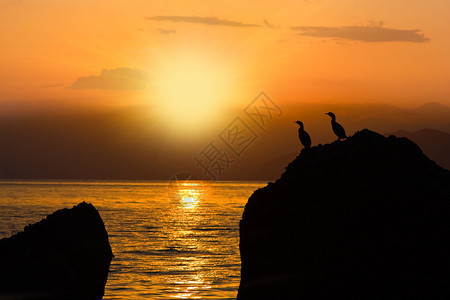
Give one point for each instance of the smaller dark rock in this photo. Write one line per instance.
(65, 256)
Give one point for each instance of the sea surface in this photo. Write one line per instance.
(171, 240)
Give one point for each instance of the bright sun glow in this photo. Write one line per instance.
(191, 91)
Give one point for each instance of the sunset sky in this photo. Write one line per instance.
(189, 63)
(317, 50)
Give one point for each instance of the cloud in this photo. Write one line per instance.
(364, 33)
(202, 20)
(166, 31)
(114, 79)
(268, 24)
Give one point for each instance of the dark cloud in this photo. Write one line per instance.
(166, 31)
(202, 20)
(114, 79)
(364, 33)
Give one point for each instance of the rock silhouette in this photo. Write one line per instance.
(366, 218)
(64, 256)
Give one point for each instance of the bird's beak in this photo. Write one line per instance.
(326, 113)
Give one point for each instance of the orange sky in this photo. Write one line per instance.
(151, 82)
(165, 53)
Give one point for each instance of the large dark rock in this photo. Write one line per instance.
(366, 218)
(64, 256)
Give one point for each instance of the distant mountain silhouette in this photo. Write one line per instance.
(434, 143)
(130, 144)
(366, 218)
(64, 256)
(432, 108)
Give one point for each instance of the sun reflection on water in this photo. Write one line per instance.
(189, 194)
(186, 236)
(188, 202)
(186, 192)
(189, 289)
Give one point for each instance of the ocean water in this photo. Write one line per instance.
(171, 240)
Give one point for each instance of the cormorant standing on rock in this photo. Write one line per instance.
(337, 128)
(304, 137)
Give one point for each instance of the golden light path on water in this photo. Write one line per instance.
(188, 194)
(171, 240)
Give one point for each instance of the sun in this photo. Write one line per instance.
(191, 91)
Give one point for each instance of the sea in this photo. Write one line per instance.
(171, 239)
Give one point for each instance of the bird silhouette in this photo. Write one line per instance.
(304, 137)
(337, 128)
